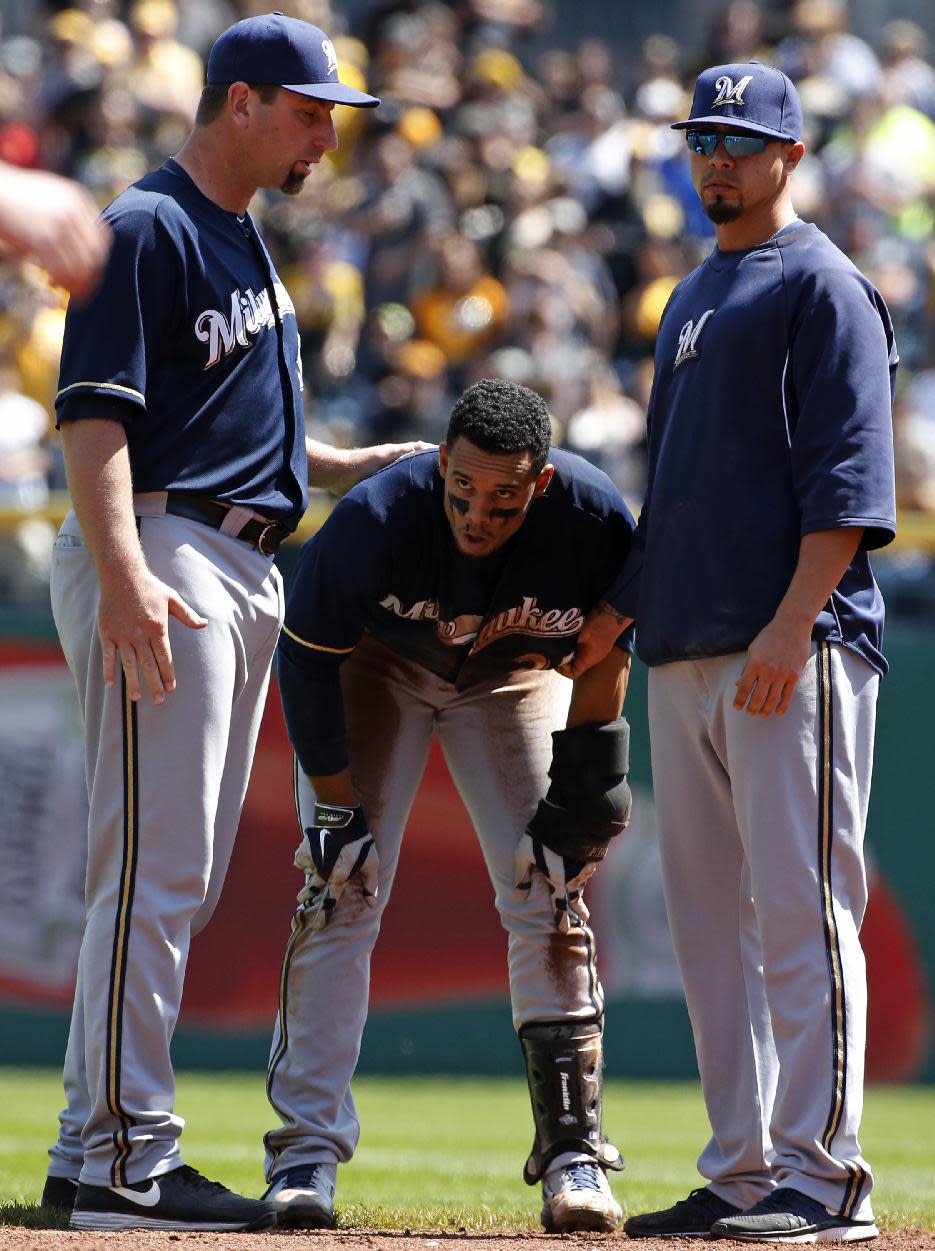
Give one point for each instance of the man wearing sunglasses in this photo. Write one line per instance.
(770, 479)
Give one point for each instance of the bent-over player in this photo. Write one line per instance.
(770, 480)
(437, 599)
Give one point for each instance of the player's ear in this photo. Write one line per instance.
(545, 477)
(794, 154)
(443, 460)
(239, 101)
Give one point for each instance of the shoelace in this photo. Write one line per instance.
(786, 1199)
(583, 1176)
(304, 1175)
(703, 1196)
(198, 1180)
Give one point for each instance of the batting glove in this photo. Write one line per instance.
(564, 878)
(336, 847)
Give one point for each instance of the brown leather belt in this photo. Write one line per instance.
(265, 536)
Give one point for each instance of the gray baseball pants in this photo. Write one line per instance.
(496, 739)
(761, 826)
(166, 786)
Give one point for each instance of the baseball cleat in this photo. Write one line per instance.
(182, 1199)
(578, 1197)
(689, 1218)
(59, 1193)
(786, 1215)
(303, 1196)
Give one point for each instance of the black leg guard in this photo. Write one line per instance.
(565, 1071)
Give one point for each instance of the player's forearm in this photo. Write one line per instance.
(823, 560)
(337, 469)
(598, 695)
(100, 483)
(313, 707)
(328, 467)
(335, 788)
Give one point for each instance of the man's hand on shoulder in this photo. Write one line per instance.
(133, 624)
(337, 469)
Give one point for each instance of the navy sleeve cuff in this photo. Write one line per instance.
(627, 640)
(80, 405)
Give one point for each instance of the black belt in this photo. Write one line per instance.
(265, 536)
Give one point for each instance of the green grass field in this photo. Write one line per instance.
(437, 1153)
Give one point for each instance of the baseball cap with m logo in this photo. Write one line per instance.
(284, 51)
(752, 97)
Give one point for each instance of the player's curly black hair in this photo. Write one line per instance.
(500, 416)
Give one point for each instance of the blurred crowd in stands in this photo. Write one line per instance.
(515, 208)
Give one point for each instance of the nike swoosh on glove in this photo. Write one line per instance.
(336, 847)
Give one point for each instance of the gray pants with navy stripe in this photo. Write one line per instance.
(497, 743)
(166, 787)
(761, 826)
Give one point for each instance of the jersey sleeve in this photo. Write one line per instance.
(839, 404)
(624, 535)
(79, 405)
(623, 593)
(339, 575)
(112, 339)
(611, 548)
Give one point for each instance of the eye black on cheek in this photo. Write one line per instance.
(457, 503)
(504, 513)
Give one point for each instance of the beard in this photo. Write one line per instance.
(720, 211)
(293, 182)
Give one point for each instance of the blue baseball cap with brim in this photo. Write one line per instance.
(750, 96)
(286, 52)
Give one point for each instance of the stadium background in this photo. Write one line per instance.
(517, 207)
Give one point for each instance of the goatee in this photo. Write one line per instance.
(293, 183)
(721, 211)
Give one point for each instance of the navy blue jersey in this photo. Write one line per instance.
(386, 562)
(770, 418)
(180, 342)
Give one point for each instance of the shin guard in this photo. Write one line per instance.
(565, 1072)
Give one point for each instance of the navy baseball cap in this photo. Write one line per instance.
(751, 96)
(286, 52)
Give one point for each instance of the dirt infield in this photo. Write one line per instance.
(16, 1239)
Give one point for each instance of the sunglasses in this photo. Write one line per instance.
(705, 141)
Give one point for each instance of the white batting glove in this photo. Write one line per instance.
(564, 878)
(336, 846)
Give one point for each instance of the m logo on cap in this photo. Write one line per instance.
(727, 93)
(328, 48)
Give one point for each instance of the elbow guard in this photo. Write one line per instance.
(589, 800)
